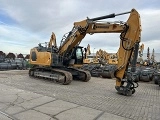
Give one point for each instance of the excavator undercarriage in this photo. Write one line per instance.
(60, 75)
(63, 76)
(59, 69)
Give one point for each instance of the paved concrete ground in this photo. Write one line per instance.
(25, 98)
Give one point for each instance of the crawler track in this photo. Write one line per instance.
(59, 76)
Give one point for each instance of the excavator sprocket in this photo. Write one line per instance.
(87, 75)
(59, 76)
(82, 75)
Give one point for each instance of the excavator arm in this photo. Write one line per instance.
(130, 34)
(141, 48)
(52, 42)
(87, 51)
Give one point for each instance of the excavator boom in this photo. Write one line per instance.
(129, 40)
(91, 26)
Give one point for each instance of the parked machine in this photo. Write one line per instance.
(108, 71)
(87, 52)
(145, 75)
(153, 61)
(102, 65)
(2, 56)
(140, 52)
(11, 62)
(59, 63)
(156, 77)
(147, 62)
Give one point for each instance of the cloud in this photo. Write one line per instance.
(14, 39)
(150, 27)
(5, 17)
(154, 44)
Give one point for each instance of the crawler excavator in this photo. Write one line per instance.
(87, 51)
(140, 52)
(58, 64)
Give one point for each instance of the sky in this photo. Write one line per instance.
(26, 23)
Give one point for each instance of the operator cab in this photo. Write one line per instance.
(77, 56)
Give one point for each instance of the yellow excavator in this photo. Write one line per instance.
(148, 60)
(108, 58)
(153, 61)
(141, 48)
(99, 57)
(140, 52)
(87, 51)
(58, 63)
(113, 59)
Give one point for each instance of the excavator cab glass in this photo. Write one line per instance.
(79, 56)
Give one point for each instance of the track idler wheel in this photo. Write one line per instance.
(31, 73)
(88, 76)
(84, 76)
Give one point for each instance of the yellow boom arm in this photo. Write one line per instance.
(129, 43)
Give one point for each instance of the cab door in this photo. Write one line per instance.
(79, 56)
